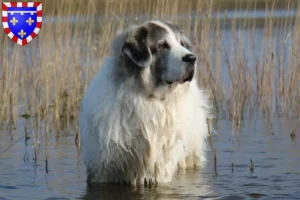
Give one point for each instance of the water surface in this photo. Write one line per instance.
(274, 153)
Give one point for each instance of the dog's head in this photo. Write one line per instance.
(163, 48)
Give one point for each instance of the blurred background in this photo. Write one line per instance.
(248, 59)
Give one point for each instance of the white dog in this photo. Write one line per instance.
(143, 115)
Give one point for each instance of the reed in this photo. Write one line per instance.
(255, 74)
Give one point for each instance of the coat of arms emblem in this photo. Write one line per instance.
(22, 21)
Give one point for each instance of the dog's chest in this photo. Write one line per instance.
(155, 119)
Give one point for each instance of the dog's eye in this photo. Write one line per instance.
(163, 45)
(182, 44)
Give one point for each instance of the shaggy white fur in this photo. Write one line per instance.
(127, 137)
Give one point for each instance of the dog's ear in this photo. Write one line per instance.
(136, 48)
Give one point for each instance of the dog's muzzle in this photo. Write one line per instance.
(189, 73)
(189, 61)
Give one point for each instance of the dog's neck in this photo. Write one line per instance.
(165, 92)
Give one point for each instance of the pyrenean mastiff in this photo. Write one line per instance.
(143, 116)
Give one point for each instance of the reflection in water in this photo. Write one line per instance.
(191, 184)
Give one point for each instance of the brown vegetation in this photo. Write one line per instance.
(44, 81)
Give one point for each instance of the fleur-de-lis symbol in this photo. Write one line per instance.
(29, 21)
(14, 21)
(22, 33)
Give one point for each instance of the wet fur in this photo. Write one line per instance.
(135, 129)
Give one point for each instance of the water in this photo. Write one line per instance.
(275, 156)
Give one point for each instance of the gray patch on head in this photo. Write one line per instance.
(158, 67)
(159, 64)
(156, 33)
(136, 48)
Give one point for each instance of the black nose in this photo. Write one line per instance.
(189, 58)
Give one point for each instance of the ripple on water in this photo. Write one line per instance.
(253, 185)
(267, 166)
(232, 197)
(240, 166)
(256, 195)
(7, 187)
